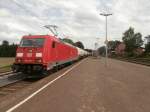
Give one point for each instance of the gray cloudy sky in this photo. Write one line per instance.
(78, 19)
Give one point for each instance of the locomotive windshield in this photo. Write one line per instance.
(32, 42)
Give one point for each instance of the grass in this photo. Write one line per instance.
(5, 64)
(5, 69)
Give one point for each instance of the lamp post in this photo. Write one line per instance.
(106, 41)
(97, 51)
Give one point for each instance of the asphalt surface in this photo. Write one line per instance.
(93, 87)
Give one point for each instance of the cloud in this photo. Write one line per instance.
(79, 19)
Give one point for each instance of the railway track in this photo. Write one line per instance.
(9, 78)
(14, 87)
(6, 73)
(136, 60)
(12, 82)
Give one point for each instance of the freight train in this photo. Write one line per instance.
(41, 53)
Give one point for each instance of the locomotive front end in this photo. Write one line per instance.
(29, 55)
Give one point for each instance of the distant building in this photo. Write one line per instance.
(120, 49)
(139, 51)
(147, 39)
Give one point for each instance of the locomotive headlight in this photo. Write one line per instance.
(38, 55)
(19, 54)
(19, 60)
(38, 60)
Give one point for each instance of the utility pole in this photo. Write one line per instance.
(106, 40)
(96, 46)
(97, 51)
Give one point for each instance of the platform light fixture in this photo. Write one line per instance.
(106, 40)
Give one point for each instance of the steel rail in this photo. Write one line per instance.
(11, 78)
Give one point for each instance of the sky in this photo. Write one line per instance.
(78, 20)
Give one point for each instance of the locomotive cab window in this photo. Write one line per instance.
(53, 44)
(32, 42)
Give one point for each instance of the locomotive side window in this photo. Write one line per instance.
(53, 44)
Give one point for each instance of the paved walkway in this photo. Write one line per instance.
(91, 87)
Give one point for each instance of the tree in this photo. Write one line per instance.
(112, 45)
(5, 43)
(102, 50)
(147, 45)
(89, 50)
(138, 40)
(12, 50)
(68, 41)
(79, 44)
(147, 48)
(7, 50)
(132, 40)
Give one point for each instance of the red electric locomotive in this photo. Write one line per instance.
(42, 53)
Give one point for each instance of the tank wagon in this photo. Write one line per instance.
(44, 52)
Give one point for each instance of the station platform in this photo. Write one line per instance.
(88, 86)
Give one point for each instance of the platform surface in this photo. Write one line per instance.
(93, 87)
